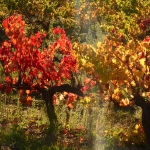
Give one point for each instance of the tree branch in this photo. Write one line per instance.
(52, 90)
(66, 88)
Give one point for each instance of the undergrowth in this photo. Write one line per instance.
(100, 126)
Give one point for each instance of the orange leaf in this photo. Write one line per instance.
(28, 91)
(70, 105)
(29, 98)
(21, 92)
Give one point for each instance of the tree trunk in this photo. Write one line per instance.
(52, 135)
(146, 121)
(145, 105)
(50, 108)
(47, 95)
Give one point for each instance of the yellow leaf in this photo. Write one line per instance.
(134, 57)
(106, 131)
(114, 61)
(137, 126)
(83, 62)
(133, 83)
(142, 62)
(145, 85)
(144, 94)
(99, 44)
(117, 90)
(86, 100)
(135, 132)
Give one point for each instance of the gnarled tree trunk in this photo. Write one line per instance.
(47, 95)
(51, 136)
(146, 121)
(48, 98)
(145, 105)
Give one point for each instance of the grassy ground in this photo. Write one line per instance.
(101, 126)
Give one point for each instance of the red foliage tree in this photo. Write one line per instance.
(27, 66)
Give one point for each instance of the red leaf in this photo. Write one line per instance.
(58, 30)
(5, 24)
(28, 58)
(8, 89)
(8, 79)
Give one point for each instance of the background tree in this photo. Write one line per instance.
(125, 17)
(75, 17)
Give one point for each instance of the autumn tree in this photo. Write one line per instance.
(27, 66)
(122, 62)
